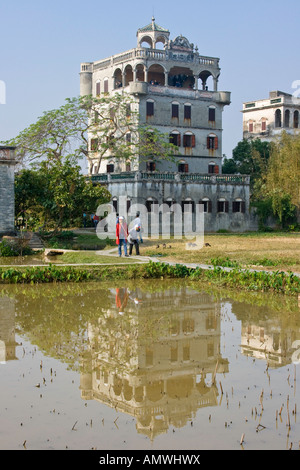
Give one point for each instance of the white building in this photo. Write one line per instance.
(267, 118)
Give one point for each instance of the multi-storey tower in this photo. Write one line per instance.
(174, 90)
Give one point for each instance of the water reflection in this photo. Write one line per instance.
(149, 350)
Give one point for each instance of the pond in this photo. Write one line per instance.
(147, 365)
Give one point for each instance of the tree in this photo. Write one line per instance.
(56, 197)
(249, 157)
(93, 128)
(281, 180)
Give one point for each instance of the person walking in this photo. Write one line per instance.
(133, 240)
(137, 221)
(121, 235)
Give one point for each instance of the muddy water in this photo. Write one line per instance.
(153, 365)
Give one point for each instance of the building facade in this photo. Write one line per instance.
(266, 119)
(175, 90)
(7, 190)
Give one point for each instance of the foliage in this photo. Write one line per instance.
(14, 248)
(56, 195)
(280, 182)
(249, 157)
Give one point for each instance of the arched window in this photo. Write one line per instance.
(189, 140)
(213, 168)
(98, 88)
(149, 108)
(263, 125)
(207, 205)
(212, 114)
(287, 118)
(296, 119)
(151, 204)
(183, 167)
(238, 206)
(212, 142)
(175, 138)
(106, 85)
(188, 205)
(278, 118)
(110, 168)
(175, 110)
(223, 205)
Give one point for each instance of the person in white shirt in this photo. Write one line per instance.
(133, 239)
(137, 221)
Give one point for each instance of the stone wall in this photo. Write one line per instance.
(7, 191)
(161, 188)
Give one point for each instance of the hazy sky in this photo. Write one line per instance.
(43, 44)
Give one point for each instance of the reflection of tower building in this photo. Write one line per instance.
(157, 363)
(7, 329)
(266, 335)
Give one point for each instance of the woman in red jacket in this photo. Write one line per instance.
(121, 235)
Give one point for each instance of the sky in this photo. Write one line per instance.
(42, 45)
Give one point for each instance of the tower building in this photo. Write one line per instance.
(176, 91)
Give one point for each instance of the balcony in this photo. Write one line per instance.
(172, 177)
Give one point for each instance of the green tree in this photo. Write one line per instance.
(249, 157)
(281, 180)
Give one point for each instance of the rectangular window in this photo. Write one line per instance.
(238, 206)
(105, 86)
(94, 145)
(187, 112)
(150, 108)
(175, 139)
(175, 111)
(212, 114)
(98, 88)
(263, 126)
(110, 168)
(150, 166)
(183, 168)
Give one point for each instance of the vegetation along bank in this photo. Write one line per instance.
(260, 281)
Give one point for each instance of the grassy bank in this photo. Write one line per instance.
(267, 251)
(277, 282)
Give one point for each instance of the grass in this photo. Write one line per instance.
(279, 251)
(91, 257)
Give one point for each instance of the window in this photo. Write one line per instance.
(128, 166)
(212, 114)
(263, 126)
(175, 110)
(223, 206)
(183, 167)
(128, 137)
(296, 119)
(187, 112)
(287, 118)
(98, 88)
(207, 205)
(106, 85)
(277, 118)
(151, 205)
(150, 108)
(189, 140)
(94, 145)
(250, 126)
(150, 166)
(212, 142)
(110, 168)
(174, 138)
(188, 206)
(238, 206)
(213, 168)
